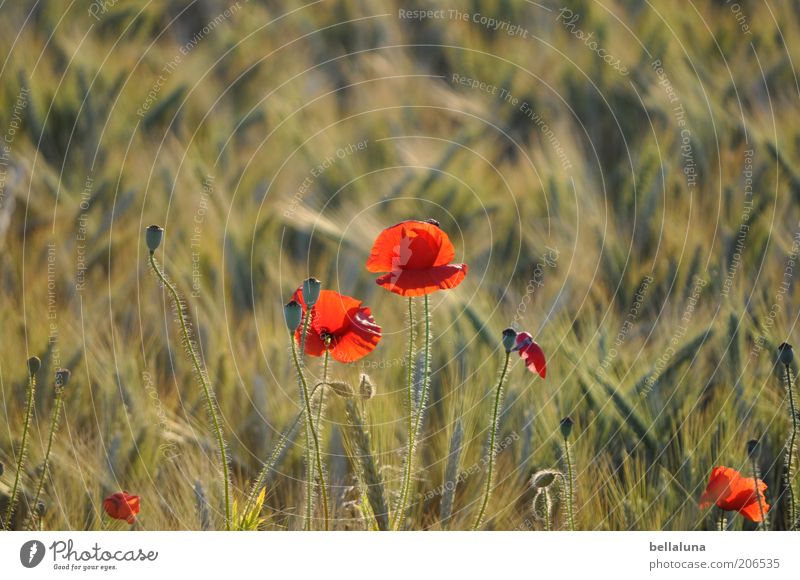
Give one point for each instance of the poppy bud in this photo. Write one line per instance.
(41, 508)
(566, 427)
(62, 377)
(509, 339)
(34, 364)
(785, 353)
(752, 447)
(366, 390)
(293, 313)
(311, 288)
(544, 478)
(153, 237)
(341, 388)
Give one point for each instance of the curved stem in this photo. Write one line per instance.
(53, 428)
(548, 507)
(790, 450)
(310, 424)
(570, 486)
(492, 436)
(12, 500)
(207, 390)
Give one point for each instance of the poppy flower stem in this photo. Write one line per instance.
(722, 521)
(310, 427)
(415, 418)
(763, 523)
(570, 486)
(791, 448)
(23, 450)
(492, 436)
(54, 419)
(203, 379)
(309, 453)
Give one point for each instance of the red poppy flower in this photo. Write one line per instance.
(348, 327)
(417, 257)
(122, 506)
(731, 492)
(531, 353)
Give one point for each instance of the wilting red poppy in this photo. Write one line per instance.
(122, 506)
(731, 492)
(531, 353)
(416, 256)
(348, 327)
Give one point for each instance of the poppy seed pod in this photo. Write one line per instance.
(34, 364)
(566, 427)
(509, 339)
(62, 377)
(293, 313)
(311, 289)
(785, 353)
(752, 447)
(153, 237)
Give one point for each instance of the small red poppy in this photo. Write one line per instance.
(417, 257)
(531, 353)
(122, 506)
(348, 327)
(731, 492)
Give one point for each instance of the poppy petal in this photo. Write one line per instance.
(410, 245)
(421, 282)
(361, 338)
(533, 355)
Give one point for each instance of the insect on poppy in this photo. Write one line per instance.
(416, 256)
(731, 492)
(339, 323)
(122, 506)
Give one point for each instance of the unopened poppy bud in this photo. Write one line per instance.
(341, 388)
(293, 313)
(752, 447)
(62, 377)
(566, 427)
(311, 288)
(34, 364)
(785, 353)
(366, 389)
(153, 237)
(509, 339)
(544, 478)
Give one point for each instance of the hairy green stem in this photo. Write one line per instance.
(790, 451)
(492, 437)
(415, 419)
(548, 508)
(207, 390)
(23, 450)
(763, 524)
(309, 455)
(54, 418)
(310, 426)
(570, 486)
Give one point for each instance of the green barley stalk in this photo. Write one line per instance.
(62, 377)
(492, 437)
(451, 473)
(33, 366)
(202, 377)
(310, 427)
